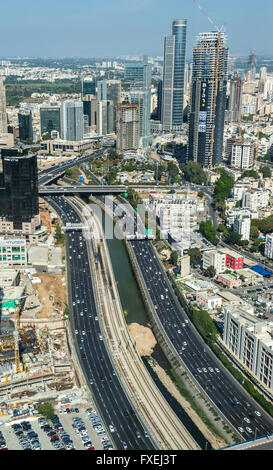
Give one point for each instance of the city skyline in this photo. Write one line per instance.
(143, 26)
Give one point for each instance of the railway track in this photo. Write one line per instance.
(166, 426)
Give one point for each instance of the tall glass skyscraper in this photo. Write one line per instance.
(173, 77)
(50, 119)
(25, 125)
(72, 120)
(19, 197)
(208, 100)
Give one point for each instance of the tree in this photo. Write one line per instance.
(173, 172)
(209, 231)
(201, 194)
(250, 174)
(46, 409)
(193, 172)
(210, 272)
(223, 187)
(266, 171)
(234, 238)
(174, 257)
(254, 232)
(195, 257)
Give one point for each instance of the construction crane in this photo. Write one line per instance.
(220, 31)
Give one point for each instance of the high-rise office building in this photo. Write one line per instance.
(50, 119)
(208, 100)
(129, 127)
(72, 120)
(3, 109)
(174, 77)
(88, 87)
(19, 206)
(235, 99)
(109, 90)
(90, 112)
(25, 125)
(140, 77)
(105, 117)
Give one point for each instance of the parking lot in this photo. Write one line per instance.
(68, 431)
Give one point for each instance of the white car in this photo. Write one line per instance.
(210, 369)
(249, 430)
(179, 331)
(76, 332)
(217, 370)
(112, 429)
(257, 413)
(186, 321)
(247, 420)
(185, 343)
(241, 429)
(204, 369)
(83, 332)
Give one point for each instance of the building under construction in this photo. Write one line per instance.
(208, 100)
(129, 125)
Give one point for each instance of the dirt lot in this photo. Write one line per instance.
(52, 293)
(144, 338)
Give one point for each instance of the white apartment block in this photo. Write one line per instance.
(237, 213)
(268, 251)
(242, 226)
(242, 155)
(214, 258)
(254, 199)
(250, 340)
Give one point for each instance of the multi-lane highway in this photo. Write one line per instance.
(231, 400)
(99, 371)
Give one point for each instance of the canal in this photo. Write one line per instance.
(132, 303)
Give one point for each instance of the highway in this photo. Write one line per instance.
(78, 189)
(96, 364)
(49, 174)
(229, 398)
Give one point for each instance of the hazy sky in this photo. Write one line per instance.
(93, 28)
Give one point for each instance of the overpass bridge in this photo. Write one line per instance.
(82, 189)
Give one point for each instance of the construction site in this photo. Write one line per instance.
(35, 357)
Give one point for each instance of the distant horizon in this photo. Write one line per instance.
(108, 28)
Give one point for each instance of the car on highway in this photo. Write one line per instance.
(249, 430)
(111, 427)
(124, 445)
(247, 420)
(257, 413)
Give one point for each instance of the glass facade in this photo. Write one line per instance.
(25, 125)
(72, 120)
(50, 119)
(174, 76)
(19, 199)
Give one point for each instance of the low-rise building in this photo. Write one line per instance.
(208, 301)
(13, 251)
(229, 281)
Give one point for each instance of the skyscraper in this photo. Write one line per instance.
(25, 125)
(3, 109)
(105, 117)
(235, 99)
(90, 112)
(72, 120)
(109, 90)
(129, 127)
(208, 100)
(173, 77)
(140, 77)
(50, 119)
(19, 193)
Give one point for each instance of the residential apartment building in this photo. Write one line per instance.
(242, 226)
(254, 199)
(268, 251)
(242, 155)
(214, 258)
(250, 341)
